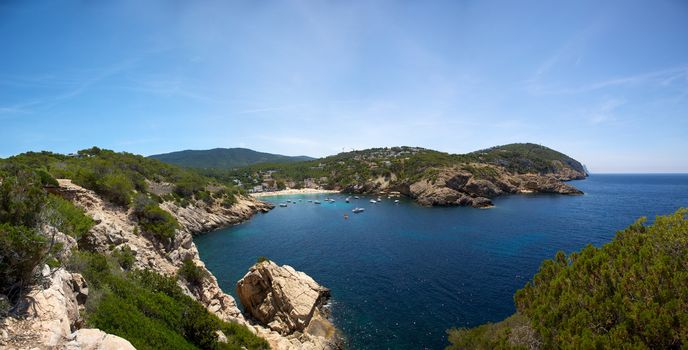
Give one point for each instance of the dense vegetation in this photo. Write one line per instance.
(117, 177)
(527, 157)
(25, 207)
(407, 164)
(224, 158)
(151, 311)
(631, 293)
(148, 309)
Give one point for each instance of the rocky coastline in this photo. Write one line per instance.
(457, 187)
(53, 311)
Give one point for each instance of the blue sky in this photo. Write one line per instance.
(605, 82)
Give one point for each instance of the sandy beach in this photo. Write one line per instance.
(292, 191)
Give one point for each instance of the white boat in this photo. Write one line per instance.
(358, 210)
(373, 201)
(310, 201)
(283, 205)
(348, 199)
(396, 201)
(379, 199)
(355, 197)
(316, 202)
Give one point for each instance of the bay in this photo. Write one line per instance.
(402, 274)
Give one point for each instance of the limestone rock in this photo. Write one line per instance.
(95, 339)
(48, 315)
(292, 306)
(280, 297)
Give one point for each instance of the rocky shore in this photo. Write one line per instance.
(455, 186)
(53, 318)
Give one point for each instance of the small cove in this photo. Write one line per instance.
(401, 274)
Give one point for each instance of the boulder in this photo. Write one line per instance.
(95, 339)
(281, 298)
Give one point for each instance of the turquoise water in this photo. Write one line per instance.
(402, 274)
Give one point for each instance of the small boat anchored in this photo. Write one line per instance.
(316, 202)
(283, 205)
(373, 201)
(358, 210)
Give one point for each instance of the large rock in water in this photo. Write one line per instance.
(283, 299)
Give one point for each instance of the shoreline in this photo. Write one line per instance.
(293, 191)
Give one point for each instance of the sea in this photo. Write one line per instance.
(402, 274)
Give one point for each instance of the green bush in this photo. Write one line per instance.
(151, 310)
(153, 219)
(261, 259)
(21, 197)
(116, 188)
(125, 257)
(229, 201)
(47, 179)
(192, 273)
(66, 217)
(631, 293)
(22, 249)
(204, 196)
(189, 185)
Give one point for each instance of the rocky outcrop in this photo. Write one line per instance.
(49, 318)
(288, 302)
(116, 228)
(456, 186)
(200, 217)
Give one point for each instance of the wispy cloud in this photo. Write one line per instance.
(70, 88)
(605, 112)
(661, 78)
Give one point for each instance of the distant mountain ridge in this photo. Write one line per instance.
(430, 177)
(224, 158)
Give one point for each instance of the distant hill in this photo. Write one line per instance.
(224, 158)
(430, 177)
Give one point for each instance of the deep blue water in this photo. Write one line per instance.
(402, 274)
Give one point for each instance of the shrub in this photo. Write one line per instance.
(116, 188)
(22, 249)
(631, 293)
(229, 201)
(66, 217)
(205, 197)
(46, 179)
(153, 219)
(261, 259)
(125, 257)
(21, 197)
(189, 185)
(152, 311)
(192, 273)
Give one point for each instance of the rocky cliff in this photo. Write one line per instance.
(449, 186)
(54, 320)
(288, 302)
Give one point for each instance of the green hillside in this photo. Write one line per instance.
(408, 164)
(224, 158)
(631, 293)
(146, 308)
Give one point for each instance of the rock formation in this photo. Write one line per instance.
(53, 318)
(456, 186)
(288, 302)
